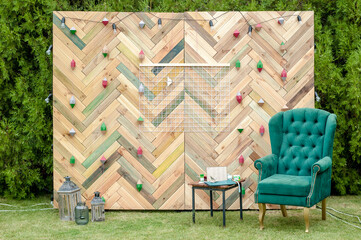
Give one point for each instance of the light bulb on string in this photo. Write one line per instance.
(299, 19)
(114, 28)
(159, 23)
(250, 30)
(62, 25)
(49, 50)
(211, 25)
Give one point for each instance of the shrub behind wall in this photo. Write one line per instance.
(26, 80)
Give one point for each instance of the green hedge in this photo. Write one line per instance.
(26, 80)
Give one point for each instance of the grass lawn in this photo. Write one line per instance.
(178, 225)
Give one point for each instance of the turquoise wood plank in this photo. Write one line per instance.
(133, 151)
(101, 149)
(135, 81)
(168, 110)
(73, 37)
(97, 173)
(134, 175)
(169, 57)
(99, 99)
(203, 105)
(169, 192)
(68, 114)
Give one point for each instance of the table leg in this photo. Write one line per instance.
(240, 205)
(193, 206)
(224, 208)
(211, 197)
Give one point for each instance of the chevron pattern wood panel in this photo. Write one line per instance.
(170, 159)
(204, 45)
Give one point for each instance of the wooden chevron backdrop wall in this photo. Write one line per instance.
(170, 159)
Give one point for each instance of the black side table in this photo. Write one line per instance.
(222, 188)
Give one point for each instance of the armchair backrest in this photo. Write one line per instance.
(301, 137)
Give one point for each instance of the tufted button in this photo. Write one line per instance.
(309, 133)
(313, 145)
(316, 120)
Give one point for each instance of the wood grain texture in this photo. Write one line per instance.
(172, 159)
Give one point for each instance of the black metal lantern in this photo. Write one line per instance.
(69, 196)
(97, 206)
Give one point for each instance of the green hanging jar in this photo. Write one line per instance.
(103, 128)
(259, 66)
(81, 214)
(238, 64)
(72, 160)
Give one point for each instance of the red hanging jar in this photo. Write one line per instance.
(236, 33)
(73, 64)
(241, 159)
(105, 82)
(261, 130)
(239, 97)
(140, 152)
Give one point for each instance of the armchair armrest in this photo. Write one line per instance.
(321, 181)
(322, 165)
(267, 166)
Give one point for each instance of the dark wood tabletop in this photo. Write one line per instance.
(203, 185)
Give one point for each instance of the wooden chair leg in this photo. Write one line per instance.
(324, 209)
(262, 212)
(284, 211)
(306, 214)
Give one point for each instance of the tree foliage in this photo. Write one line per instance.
(26, 80)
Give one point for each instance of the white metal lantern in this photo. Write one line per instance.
(69, 196)
(97, 206)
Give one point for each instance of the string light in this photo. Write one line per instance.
(49, 50)
(141, 24)
(174, 19)
(48, 98)
(250, 30)
(159, 23)
(62, 25)
(211, 24)
(299, 19)
(114, 28)
(281, 20)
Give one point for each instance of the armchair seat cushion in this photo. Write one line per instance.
(288, 185)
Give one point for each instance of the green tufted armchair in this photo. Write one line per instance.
(298, 172)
